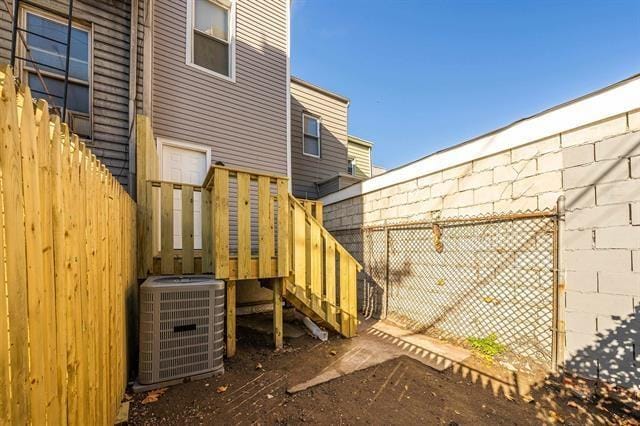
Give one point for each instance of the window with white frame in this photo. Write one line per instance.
(351, 166)
(46, 39)
(211, 35)
(311, 135)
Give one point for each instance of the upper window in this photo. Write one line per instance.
(311, 136)
(351, 166)
(46, 41)
(211, 35)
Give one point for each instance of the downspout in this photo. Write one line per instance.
(559, 332)
(133, 92)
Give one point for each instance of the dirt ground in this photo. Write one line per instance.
(401, 391)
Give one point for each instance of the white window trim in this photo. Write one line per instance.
(353, 168)
(319, 120)
(23, 67)
(232, 43)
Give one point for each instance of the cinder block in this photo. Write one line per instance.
(635, 259)
(491, 193)
(612, 260)
(492, 161)
(635, 213)
(389, 213)
(431, 204)
(458, 199)
(625, 283)
(456, 172)
(550, 162)
(634, 120)
(475, 180)
(516, 205)
(635, 167)
(548, 200)
(389, 191)
(429, 179)
(582, 281)
(618, 192)
(622, 146)
(514, 171)
(444, 188)
(600, 303)
(420, 194)
(535, 149)
(580, 198)
(595, 173)
(408, 186)
(595, 132)
(598, 217)
(578, 343)
(371, 216)
(537, 184)
(608, 322)
(476, 210)
(398, 199)
(581, 322)
(578, 239)
(618, 237)
(446, 213)
(578, 155)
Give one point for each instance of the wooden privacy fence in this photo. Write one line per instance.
(69, 282)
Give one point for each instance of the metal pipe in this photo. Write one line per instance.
(14, 33)
(559, 332)
(67, 59)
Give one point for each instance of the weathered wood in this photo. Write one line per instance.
(265, 226)
(166, 228)
(221, 222)
(231, 319)
(244, 226)
(277, 313)
(187, 230)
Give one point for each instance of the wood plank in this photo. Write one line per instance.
(166, 228)
(300, 262)
(221, 222)
(244, 226)
(187, 229)
(5, 395)
(315, 257)
(142, 129)
(344, 293)
(207, 231)
(353, 298)
(265, 226)
(15, 259)
(318, 214)
(231, 319)
(277, 313)
(330, 280)
(283, 228)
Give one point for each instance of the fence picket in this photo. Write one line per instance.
(187, 229)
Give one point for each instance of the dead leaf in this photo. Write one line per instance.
(154, 395)
(269, 396)
(258, 366)
(333, 352)
(222, 389)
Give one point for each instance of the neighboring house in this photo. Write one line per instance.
(377, 170)
(359, 157)
(102, 82)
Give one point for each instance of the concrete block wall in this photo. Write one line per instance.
(597, 169)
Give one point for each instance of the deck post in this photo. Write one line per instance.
(231, 319)
(277, 312)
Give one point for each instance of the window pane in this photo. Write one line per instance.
(210, 53)
(52, 53)
(211, 19)
(78, 94)
(311, 126)
(311, 145)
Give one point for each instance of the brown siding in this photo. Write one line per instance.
(244, 122)
(308, 171)
(110, 20)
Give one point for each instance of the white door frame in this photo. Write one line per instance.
(162, 142)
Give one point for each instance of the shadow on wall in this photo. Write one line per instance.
(307, 171)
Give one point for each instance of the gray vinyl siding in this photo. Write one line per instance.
(308, 171)
(244, 122)
(110, 23)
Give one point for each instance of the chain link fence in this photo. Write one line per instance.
(464, 278)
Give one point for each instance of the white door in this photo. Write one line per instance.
(185, 164)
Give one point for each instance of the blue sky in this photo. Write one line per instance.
(423, 75)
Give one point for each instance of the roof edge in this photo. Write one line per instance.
(320, 89)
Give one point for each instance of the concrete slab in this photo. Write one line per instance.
(381, 342)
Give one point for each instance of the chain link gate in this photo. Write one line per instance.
(464, 277)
